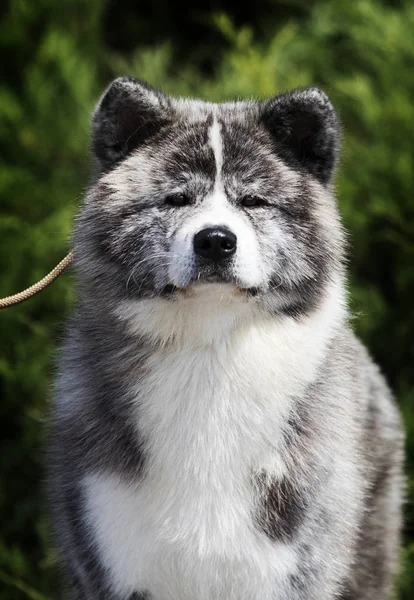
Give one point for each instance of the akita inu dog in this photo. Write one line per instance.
(218, 432)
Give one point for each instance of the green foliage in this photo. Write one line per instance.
(360, 52)
(45, 101)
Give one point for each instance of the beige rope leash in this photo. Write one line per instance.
(39, 286)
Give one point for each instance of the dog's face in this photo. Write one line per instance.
(188, 193)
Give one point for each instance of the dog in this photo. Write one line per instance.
(218, 432)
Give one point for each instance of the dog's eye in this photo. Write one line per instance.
(251, 201)
(177, 200)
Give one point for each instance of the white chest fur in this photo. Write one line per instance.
(211, 416)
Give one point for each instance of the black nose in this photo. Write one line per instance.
(215, 243)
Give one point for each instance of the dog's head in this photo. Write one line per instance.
(189, 196)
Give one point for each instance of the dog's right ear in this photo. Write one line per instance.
(129, 112)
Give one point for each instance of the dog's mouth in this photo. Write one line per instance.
(203, 287)
(208, 280)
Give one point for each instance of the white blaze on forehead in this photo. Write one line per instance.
(216, 142)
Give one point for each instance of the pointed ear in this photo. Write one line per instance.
(305, 129)
(128, 113)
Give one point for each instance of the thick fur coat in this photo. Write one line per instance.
(218, 432)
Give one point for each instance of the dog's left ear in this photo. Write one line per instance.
(305, 129)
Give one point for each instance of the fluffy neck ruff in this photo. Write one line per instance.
(212, 315)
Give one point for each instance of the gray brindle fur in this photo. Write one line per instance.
(218, 432)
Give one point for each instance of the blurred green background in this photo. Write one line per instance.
(56, 58)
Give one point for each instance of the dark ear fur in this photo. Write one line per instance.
(129, 112)
(305, 129)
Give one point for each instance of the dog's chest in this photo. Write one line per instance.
(210, 419)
